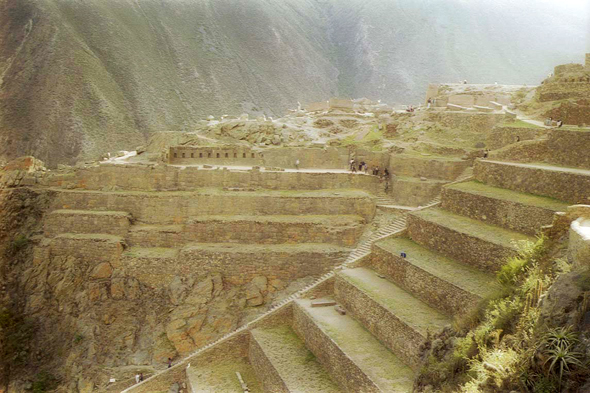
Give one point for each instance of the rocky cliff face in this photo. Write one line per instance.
(78, 78)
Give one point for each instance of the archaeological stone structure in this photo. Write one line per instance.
(241, 262)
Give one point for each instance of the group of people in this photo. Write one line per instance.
(549, 122)
(363, 167)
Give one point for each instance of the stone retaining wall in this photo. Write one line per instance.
(568, 187)
(503, 136)
(341, 231)
(562, 147)
(88, 248)
(413, 192)
(459, 246)
(496, 211)
(477, 122)
(71, 221)
(170, 178)
(400, 338)
(265, 371)
(160, 208)
(342, 369)
(238, 264)
(435, 292)
(431, 168)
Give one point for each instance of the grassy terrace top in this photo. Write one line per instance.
(542, 166)
(331, 193)
(374, 359)
(296, 365)
(400, 303)
(458, 274)
(476, 187)
(472, 227)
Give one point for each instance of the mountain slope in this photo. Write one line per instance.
(81, 77)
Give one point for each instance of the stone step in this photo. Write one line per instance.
(283, 363)
(86, 221)
(399, 320)
(340, 230)
(285, 262)
(464, 239)
(570, 185)
(442, 283)
(353, 357)
(509, 209)
(221, 376)
(174, 207)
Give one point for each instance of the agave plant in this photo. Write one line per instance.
(562, 358)
(560, 338)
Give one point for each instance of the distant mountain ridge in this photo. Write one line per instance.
(81, 77)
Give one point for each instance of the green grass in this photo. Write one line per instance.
(472, 227)
(480, 188)
(459, 274)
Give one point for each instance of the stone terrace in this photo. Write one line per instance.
(412, 283)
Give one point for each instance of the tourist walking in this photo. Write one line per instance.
(429, 102)
(140, 377)
(297, 164)
(353, 165)
(361, 166)
(169, 362)
(137, 378)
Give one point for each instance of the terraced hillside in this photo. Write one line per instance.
(80, 78)
(364, 326)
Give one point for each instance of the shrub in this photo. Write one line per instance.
(45, 382)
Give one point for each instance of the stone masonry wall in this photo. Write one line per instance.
(95, 248)
(561, 147)
(338, 365)
(169, 178)
(564, 186)
(431, 168)
(264, 369)
(339, 230)
(413, 192)
(71, 221)
(171, 207)
(503, 136)
(432, 290)
(391, 331)
(515, 216)
(240, 266)
(459, 246)
(477, 122)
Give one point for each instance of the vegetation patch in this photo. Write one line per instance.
(505, 345)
